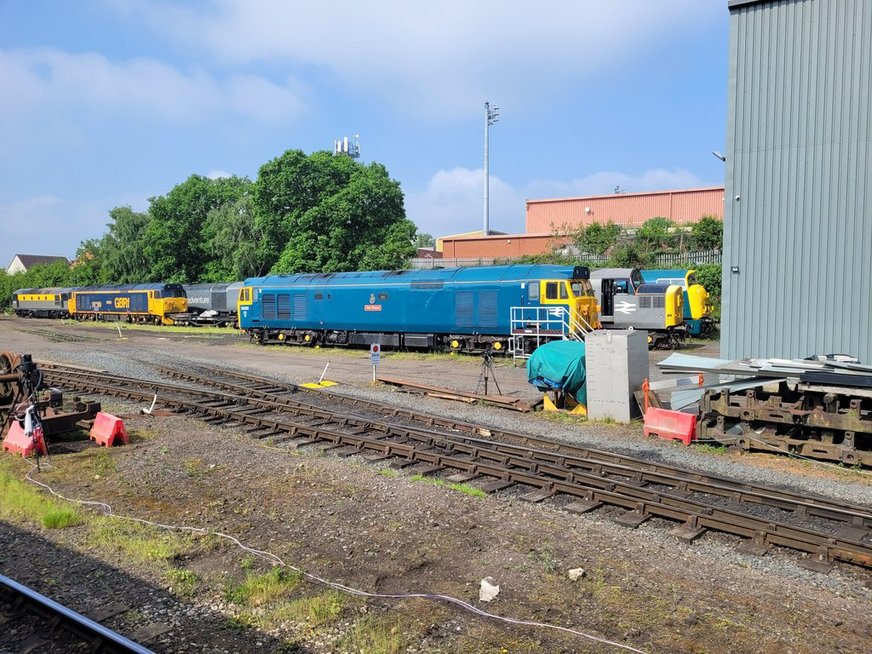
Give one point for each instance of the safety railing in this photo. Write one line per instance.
(533, 326)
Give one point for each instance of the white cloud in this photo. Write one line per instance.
(218, 174)
(52, 82)
(453, 201)
(431, 57)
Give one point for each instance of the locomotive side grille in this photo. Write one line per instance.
(659, 302)
(463, 308)
(487, 309)
(300, 306)
(268, 300)
(644, 302)
(284, 306)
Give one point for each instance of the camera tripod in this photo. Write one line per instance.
(487, 371)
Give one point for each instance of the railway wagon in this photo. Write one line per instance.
(459, 309)
(627, 302)
(150, 303)
(210, 304)
(42, 302)
(698, 311)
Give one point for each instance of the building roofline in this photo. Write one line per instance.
(733, 4)
(629, 195)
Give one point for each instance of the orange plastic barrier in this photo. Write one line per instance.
(670, 425)
(18, 442)
(107, 428)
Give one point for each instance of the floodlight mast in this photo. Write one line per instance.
(491, 116)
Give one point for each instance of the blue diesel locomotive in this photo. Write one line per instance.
(459, 309)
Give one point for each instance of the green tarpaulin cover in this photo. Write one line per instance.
(559, 365)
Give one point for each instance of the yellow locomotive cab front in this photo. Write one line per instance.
(674, 314)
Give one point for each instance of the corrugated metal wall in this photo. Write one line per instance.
(629, 209)
(798, 219)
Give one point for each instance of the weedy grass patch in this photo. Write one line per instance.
(258, 589)
(466, 489)
(19, 501)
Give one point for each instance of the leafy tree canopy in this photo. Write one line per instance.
(597, 238)
(173, 242)
(358, 225)
(707, 234)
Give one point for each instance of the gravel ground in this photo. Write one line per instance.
(341, 519)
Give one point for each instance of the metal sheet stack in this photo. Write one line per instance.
(831, 370)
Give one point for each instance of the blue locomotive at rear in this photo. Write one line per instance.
(459, 309)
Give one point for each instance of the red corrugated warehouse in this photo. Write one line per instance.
(627, 209)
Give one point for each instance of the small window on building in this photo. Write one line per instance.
(551, 290)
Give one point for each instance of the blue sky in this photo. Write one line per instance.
(109, 102)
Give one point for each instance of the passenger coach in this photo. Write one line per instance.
(460, 309)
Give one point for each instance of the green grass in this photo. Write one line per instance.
(466, 489)
(388, 472)
(136, 541)
(711, 449)
(378, 636)
(259, 589)
(315, 611)
(61, 517)
(183, 582)
(103, 462)
(23, 502)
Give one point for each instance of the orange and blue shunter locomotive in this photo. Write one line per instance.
(148, 303)
(457, 309)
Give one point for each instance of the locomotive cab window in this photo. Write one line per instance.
(551, 291)
(533, 290)
(582, 288)
(564, 292)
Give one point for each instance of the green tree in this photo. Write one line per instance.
(424, 240)
(710, 275)
(707, 234)
(654, 235)
(234, 239)
(328, 214)
(173, 241)
(287, 189)
(629, 255)
(597, 238)
(122, 248)
(87, 269)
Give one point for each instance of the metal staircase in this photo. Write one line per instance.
(533, 326)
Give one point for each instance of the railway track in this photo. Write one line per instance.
(579, 479)
(33, 622)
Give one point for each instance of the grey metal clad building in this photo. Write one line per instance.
(798, 217)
